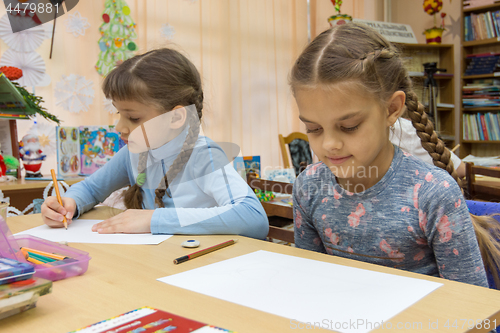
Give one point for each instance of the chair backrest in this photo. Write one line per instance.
(488, 189)
(482, 208)
(299, 150)
(274, 210)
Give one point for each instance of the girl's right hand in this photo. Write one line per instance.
(52, 211)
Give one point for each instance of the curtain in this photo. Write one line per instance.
(244, 50)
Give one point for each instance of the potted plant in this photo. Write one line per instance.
(433, 35)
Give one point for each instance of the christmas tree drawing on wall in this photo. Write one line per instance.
(117, 33)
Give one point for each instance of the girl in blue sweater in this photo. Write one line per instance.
(180, 181)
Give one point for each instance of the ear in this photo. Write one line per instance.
(178, 117)
(396, 106)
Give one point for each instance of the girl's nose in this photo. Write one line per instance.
(332, 142)
(120, 127)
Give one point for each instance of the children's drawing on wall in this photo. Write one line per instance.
(68, 151)
(98, 144)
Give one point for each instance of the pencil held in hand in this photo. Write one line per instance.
(59, 199)
(205, 251)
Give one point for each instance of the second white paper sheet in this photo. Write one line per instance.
(307, 291)
(80, 231)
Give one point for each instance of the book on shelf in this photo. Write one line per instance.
(481, 126)
(480, 55)
(445, 105)
(482, 26)
(83, 150)
(470, 4)
(148, 319)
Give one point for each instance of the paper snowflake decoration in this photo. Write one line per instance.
(108, 106)
(26, 40)
(31, 63)
(74, 93)
(46, 134)
(167, 31)
(76, 24)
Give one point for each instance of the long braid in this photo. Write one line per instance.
(161, 79)
(133, 197)
(486, 228)
(186, 150)
(181, 160)
(358, 55)
(441, 156)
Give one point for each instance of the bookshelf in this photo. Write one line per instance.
(415, 55)
(480, 34)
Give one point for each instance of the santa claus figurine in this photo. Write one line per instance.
(31, 155)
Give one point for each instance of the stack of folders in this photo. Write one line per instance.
(482, 63)
(481, 93)
(19, 290)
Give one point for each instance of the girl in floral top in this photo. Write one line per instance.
(367, 199)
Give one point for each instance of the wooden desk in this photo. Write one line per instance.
(22, 192)
(121, 278)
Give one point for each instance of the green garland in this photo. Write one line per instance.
(35, 102)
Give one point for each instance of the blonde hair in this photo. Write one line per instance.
(357, 54)
(162, 78)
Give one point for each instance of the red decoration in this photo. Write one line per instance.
(12, 73)
(432, 7)
(3, 167)
(105, 17)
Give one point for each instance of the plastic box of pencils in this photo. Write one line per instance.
(52, 261)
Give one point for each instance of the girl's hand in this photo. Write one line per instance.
(131, 221)
(52, 211)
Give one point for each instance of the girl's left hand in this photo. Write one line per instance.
(131, 221)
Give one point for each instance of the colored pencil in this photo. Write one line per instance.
(205, 251)
(43, 253)
(56, 187)
(35, 261)
(38, 257)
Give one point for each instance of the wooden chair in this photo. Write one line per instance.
(277, 214)
(286, 141)
(488, 190)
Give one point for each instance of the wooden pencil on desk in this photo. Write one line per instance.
(56, 187)
(205, 251)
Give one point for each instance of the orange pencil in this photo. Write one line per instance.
(205, 251)
(56, 187)
(35, 261)
(43, 253)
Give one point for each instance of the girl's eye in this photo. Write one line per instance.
(350, 129)
(134, 119)
(316, 130)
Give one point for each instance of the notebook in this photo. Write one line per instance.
(149, 320)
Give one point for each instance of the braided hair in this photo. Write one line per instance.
(373, 64)
(163, 79)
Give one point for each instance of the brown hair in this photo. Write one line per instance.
(162, 78)
(359, 55)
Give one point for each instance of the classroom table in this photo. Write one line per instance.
(121, 278)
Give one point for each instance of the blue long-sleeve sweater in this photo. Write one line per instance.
(207, 197)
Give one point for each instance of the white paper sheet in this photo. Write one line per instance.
(80, 231)
(335, 297)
